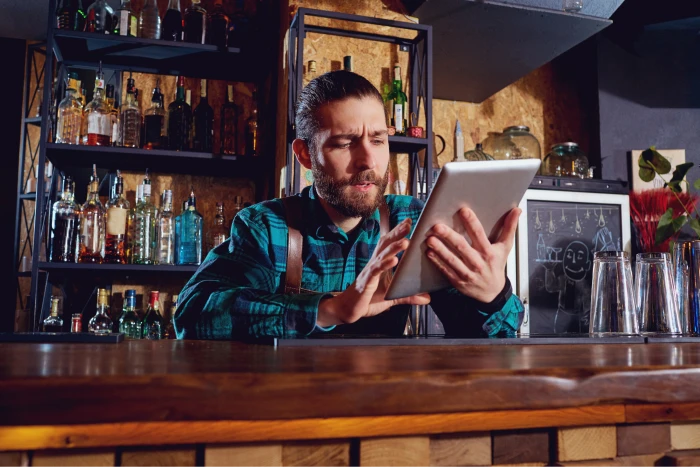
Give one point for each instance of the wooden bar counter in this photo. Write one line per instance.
(226, 403)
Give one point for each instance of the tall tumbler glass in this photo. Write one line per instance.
(686, 266)
(656, 295)
(613, 309)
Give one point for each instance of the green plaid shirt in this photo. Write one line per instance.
(236, 293)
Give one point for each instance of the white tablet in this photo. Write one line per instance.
(490, 188)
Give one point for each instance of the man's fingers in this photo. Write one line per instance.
(510, 225)
(463, 262)
(452, 276)
(398, 232)
(419, 299)
(472, 224)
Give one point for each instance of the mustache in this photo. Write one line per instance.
(367, 176)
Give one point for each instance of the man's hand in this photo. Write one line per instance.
(365, 296)
(476, 270)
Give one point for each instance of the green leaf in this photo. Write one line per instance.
(696, 184)
(695, 225)
(680, 172)
(655, 160)
(668, 226)
(675, 186)
(646, 171)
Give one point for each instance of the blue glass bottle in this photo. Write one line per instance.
(190, 234)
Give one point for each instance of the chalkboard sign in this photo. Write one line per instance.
(557, 236)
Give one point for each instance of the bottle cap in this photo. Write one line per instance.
(130, 293)
(312, 66)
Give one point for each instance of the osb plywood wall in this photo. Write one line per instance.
(543, 100)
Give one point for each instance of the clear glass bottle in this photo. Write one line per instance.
(131, 225)
(154, 121)
(566, 160)
(99, 17)
(129, 321)
(92, 224)
(70, 114)
(477, 154)
(195, 27)
(172, 22)
(217, 25)
(99, 118)
(153, 324)
(65, 218)
(130, 118)
(165, 231)
(53, 322)
(113, 113)
(125, 21)
(116, 221)
(251, 130)
(398, 107)
(190, 241)
(203, 117)
(516, 142)
(218, 233)
(179, 120)
(149, 21)
(70, 15)
(145, 227)
(178, 228)
(101, 323)
(229, 124)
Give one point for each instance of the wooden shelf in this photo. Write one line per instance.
(407, 144)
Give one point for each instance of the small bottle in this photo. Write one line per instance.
(190, 234)
(219, 231)
(169, 328)
(165, 231)
(131, 225)
(145, 227)
(76, 323)
(388, 102)
(251, 137)
(154, 121)
(113, 113)
(92, 224)
(179, 120)
(116, 221)
(217, 25)
(130, 118)
(153, 324)
(126, 23)
(70, 114)
(70, 15)
(65, 216)
(459, 144)
(53, 322)
(101, 323)
(347, 63)
(99, 17)
(195, 24)
(172, 22)
(229, 124)
(129, 322)
(149, 21)
(398, 115)
(203, 117)
(99, 120)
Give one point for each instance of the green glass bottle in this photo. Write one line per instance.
(398, 109)
(129, 322)
(153, 324)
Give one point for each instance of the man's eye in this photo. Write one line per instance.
(378, 142)
(342, 145)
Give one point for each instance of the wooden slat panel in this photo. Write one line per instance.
(641, 413)
(254, 455)
(625, 461)
(688, 457)
(335, 453)
(408, 450)
(14, 458)
(98, 457)
(460, 449)
(647, 438)
(521, 447)
(134, 434)
(593, 442)
(685, 435)
(185, 456)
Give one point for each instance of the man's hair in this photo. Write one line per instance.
(329, 87)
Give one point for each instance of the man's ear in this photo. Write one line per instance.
(301, 151)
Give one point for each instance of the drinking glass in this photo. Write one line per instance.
(686, 268)
(657, 306)
(612, 295)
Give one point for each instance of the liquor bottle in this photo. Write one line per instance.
(149, 21)
(70, 114)
(117, 210)
(65, 216)
(129, 322)
(99, 119)
(165, 231)
(125, 22)
(172, 22)
(398, 109)
(154, 121)
(388, 103)
(99, 17)
(239, 25)
(70, 15)
(179, 119)
(131, 225)
(195, 28)
(229, 124)
(153, 324)
(347, 63)
(169, 328)
(190, 242)
(178, 229)
(218, 232)
(145, 226)
(130, 118)
(101, 323)
(113, 113)
(251, 135)
(237, 206)
(92, 224)
(53, 322)
(203, 121)
(217, 25)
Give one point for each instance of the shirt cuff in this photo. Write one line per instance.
(497, 303)
(301, 311)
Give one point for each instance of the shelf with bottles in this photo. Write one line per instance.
(117, 270)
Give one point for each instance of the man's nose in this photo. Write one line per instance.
(364, 156)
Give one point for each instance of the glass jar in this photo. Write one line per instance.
(566, 160)
(516, 142)
(477, 154)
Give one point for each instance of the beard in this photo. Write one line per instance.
(349, 202)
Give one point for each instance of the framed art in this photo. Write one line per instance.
(674, 156)
(558, 233)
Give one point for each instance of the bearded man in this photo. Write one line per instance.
(317, 262)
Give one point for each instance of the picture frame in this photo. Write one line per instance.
(675, 156)
(558, 230)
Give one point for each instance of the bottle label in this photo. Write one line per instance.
(124, 23)
(147, 190)
(133, 26)
(99, 124)
(398, 117)
(99, 83)
(116, 221)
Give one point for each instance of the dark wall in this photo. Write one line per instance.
(12, 84)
